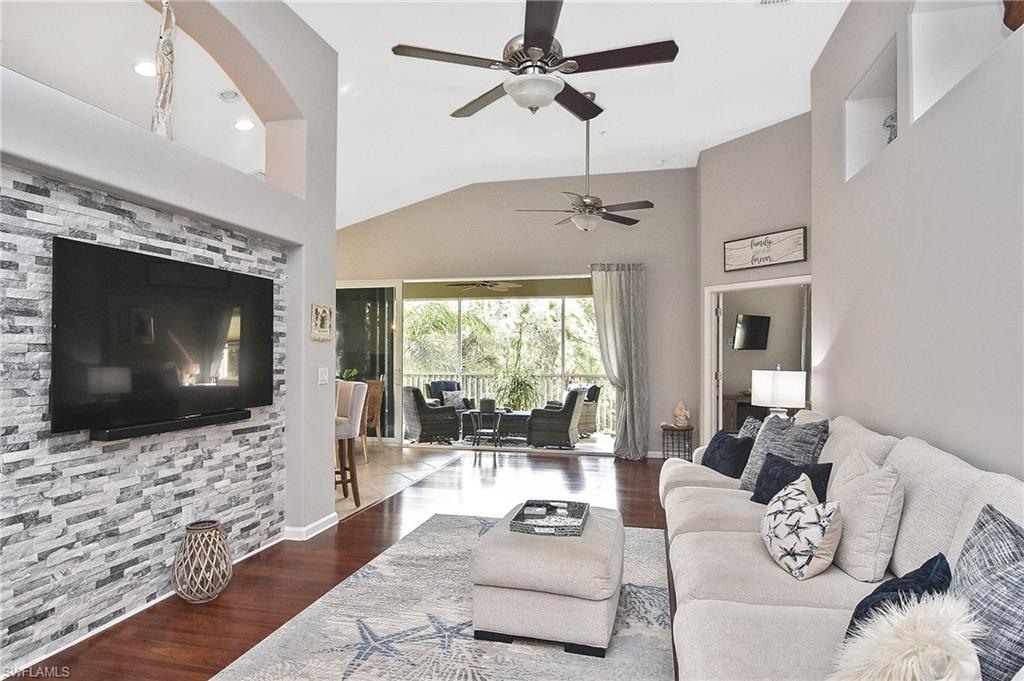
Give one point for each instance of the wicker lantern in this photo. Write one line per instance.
(202, 564)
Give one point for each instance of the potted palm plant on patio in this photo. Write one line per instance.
(516, 389)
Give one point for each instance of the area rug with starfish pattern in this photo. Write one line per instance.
(408, 615)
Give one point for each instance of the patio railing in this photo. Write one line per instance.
(549, 387)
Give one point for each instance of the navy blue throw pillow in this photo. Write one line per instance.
(728, 454)
(776, 473)
(932, 577)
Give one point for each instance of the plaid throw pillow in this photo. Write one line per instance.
(989, 575)
(796, 444)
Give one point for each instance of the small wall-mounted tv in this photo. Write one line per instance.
(139, 339)
(751, 332)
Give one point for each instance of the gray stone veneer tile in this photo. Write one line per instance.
(88, 529)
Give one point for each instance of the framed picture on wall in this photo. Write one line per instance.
(323, 323)
(774, 248)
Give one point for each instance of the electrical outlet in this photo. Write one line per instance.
(323, 376)
(188, 513)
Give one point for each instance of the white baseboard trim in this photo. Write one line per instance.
(130, 613)
(311, 530)
(651, 454)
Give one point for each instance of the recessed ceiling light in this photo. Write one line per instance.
(244, 125)
(228, 96)
(147, 69)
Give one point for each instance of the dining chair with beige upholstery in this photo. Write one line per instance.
(350, 399)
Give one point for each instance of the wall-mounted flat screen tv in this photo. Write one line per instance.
(751, 332)
(139, 339)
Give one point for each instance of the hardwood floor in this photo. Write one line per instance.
(174, 640)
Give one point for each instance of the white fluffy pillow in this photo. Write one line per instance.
(801, 535)
(925, 640)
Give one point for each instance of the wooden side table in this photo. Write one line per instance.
(677, 441)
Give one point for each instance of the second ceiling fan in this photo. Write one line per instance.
(533, 56)
(586, 210)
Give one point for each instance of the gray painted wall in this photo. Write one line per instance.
(785, 305)
(918, 284)
(751, 185)
(475, 232)
(90, 528)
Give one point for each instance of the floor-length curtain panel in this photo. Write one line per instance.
(620, 309)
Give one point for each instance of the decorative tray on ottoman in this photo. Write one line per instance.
(551, 518)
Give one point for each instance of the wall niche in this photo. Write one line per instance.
(870, 112)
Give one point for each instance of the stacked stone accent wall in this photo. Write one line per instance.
(88, 529)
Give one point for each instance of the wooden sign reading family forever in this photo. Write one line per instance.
(789, 245)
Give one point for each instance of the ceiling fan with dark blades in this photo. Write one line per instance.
(585, 211)
(532, 58)
(490, 285)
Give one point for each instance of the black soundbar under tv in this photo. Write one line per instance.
(124, 432)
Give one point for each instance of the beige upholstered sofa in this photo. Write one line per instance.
(738, 615)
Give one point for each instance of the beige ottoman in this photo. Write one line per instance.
(563, 589)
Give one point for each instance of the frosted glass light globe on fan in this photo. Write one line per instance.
(779, 390)
(533, 90)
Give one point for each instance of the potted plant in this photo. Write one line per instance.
(516, 389)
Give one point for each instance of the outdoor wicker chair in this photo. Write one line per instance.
(425, 423)
(556, 426)
(588, 415)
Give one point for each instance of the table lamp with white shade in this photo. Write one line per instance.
(778, 390)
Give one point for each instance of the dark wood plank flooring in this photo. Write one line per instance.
(174, 640)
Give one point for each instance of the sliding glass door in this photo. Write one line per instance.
(366, 342)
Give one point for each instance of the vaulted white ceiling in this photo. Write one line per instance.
(741, 66)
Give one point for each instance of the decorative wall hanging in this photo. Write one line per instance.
(323, 323)
(202, 564)
(775, 248)
(161, 121)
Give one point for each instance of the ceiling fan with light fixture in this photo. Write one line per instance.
(497, 286)
(586, 210)
(535, 55)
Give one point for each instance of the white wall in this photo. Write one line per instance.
(785, 305)
(918, 283)
(475, 232)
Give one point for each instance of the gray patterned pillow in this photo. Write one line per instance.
(749, 428)
(989, 575)
(801, 535)
(781, 437)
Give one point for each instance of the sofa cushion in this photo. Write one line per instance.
(1004, 493)
(776, 473)
(846, 435)
(800, 534)
(871, 504)
(722, 640)
(805, 416)
(750, 428)
(935, 487)
(588, 566)
(700, 509)
(782, 437)
(989, 575)
(727, 454)
(680, 473)
(932, 577)
(734, 566)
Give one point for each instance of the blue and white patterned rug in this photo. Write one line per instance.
(408, 615)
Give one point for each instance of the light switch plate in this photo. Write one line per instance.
(322, 376)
